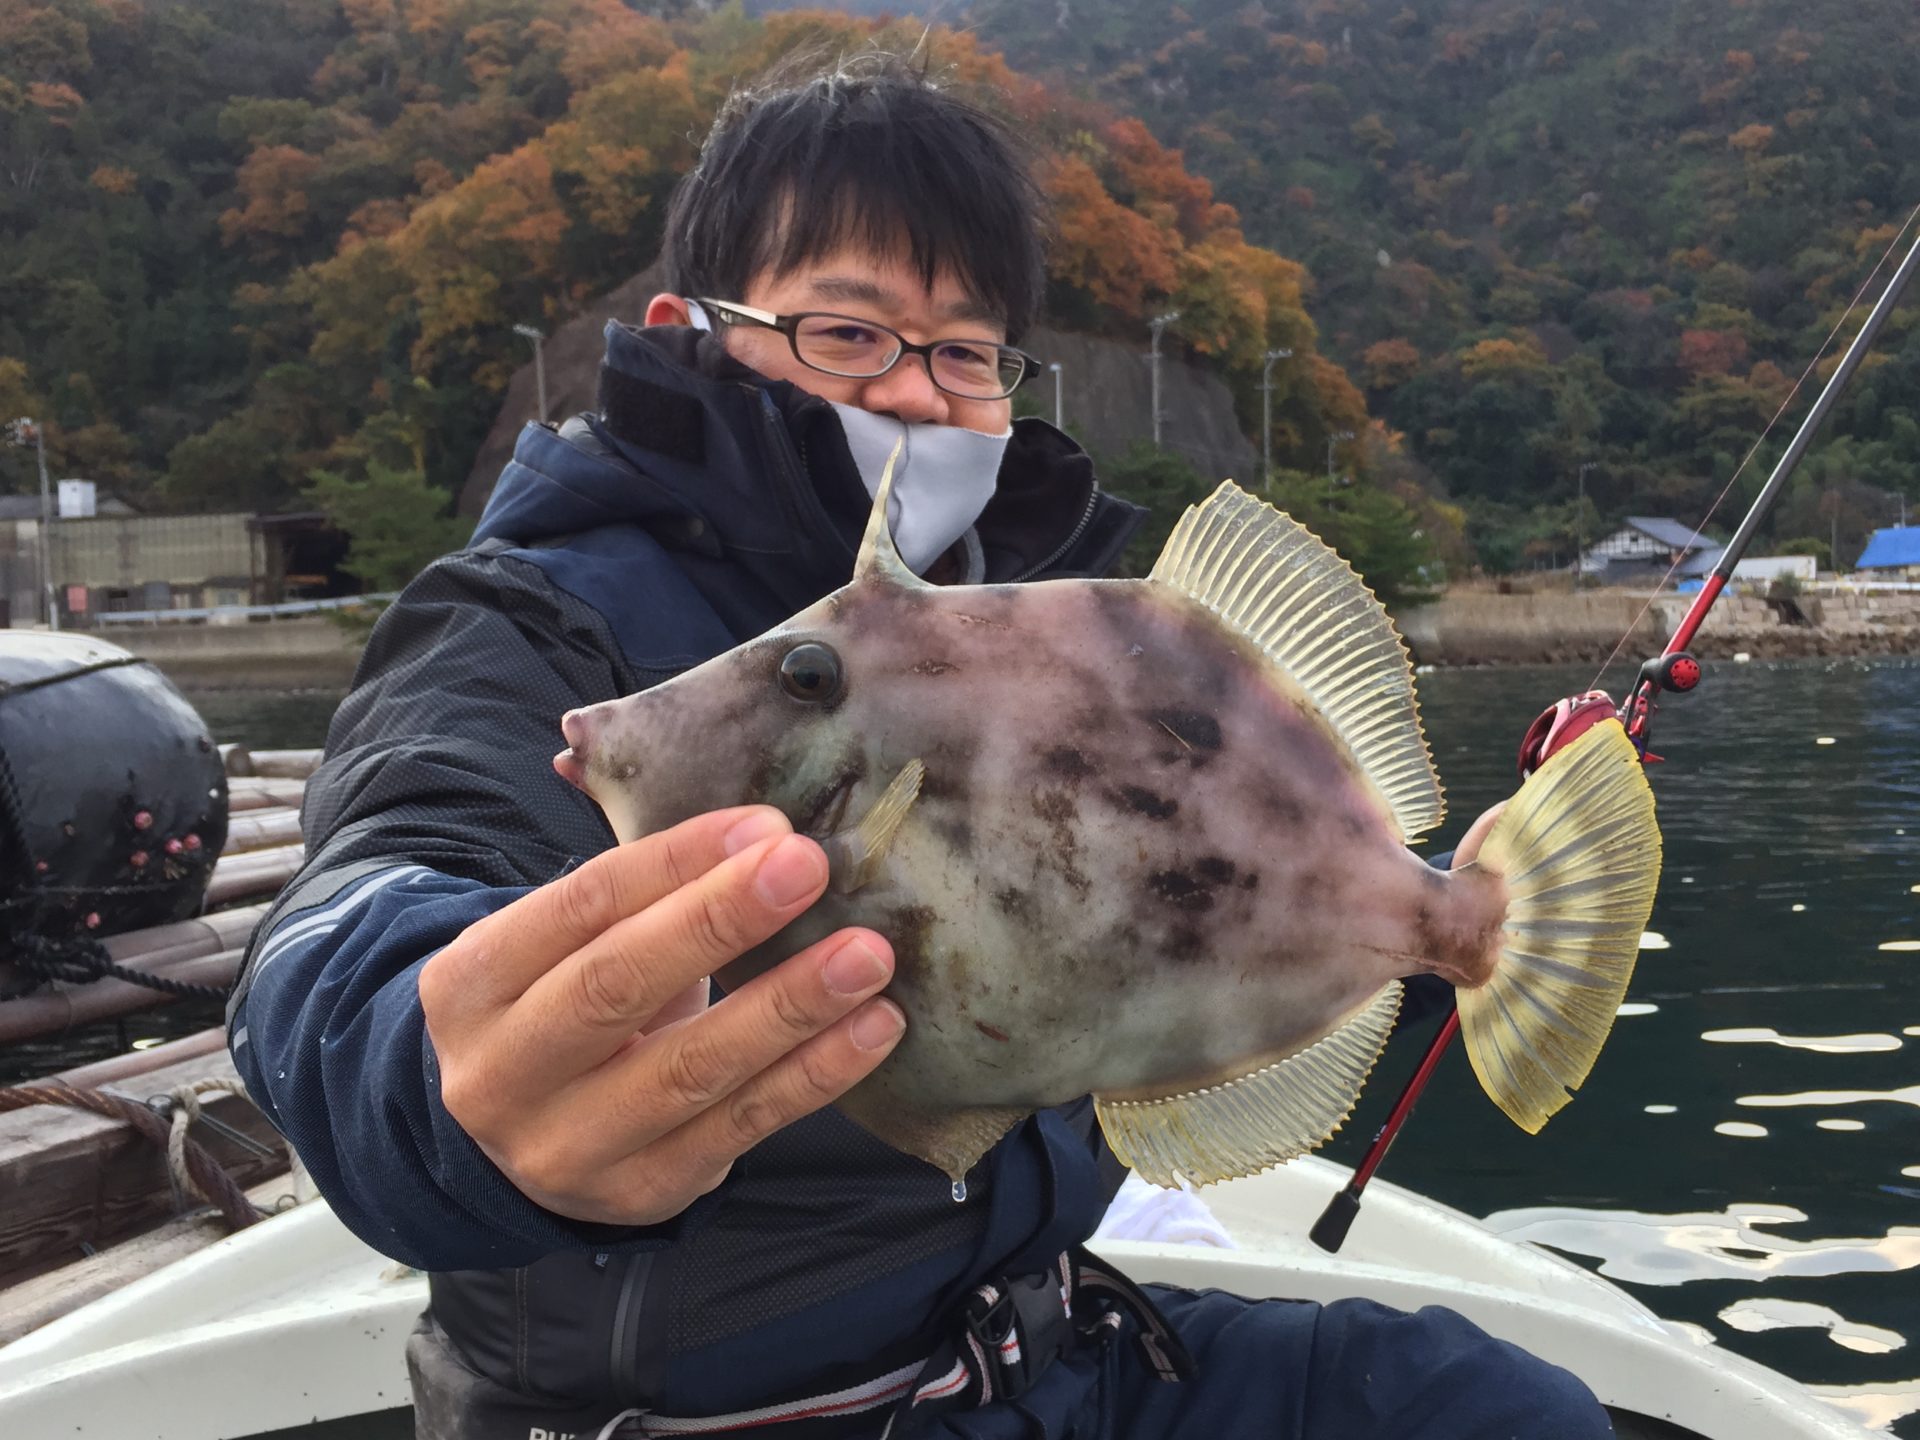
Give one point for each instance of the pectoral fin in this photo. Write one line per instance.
(854, 854)
(952, 1140)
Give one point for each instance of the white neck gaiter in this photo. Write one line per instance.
(942, 481)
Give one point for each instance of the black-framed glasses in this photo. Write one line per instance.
(858, 349)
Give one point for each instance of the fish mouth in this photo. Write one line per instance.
(571, 763)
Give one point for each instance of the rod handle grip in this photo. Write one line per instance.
(1330, 1230)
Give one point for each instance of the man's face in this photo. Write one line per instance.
(889, 291)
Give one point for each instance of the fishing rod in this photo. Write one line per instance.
(1674, 671)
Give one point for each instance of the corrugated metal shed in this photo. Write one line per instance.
(1894, 548)
(135, 551)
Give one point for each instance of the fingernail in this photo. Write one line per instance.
(791, 870)
(878, 1026)
(853, 968)
(761, 825)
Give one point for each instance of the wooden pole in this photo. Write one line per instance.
(257, 872)
(261, 830)
(122, 1068)
(185, 939)
(49, 1012)
(286, 764)
(248, 792)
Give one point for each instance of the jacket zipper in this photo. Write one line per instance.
(792, 456)
(1086, 519)
(623, 1357)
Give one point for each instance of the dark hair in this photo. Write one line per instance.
(863, 150)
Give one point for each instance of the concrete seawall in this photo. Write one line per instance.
(297, 654)
(1484, 628)
(1462, 628)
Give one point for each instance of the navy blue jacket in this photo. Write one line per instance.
(700, 505)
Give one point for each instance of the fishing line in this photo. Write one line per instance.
(1727, 489)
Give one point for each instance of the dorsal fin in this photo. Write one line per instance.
(879, 558)
(1274, 581)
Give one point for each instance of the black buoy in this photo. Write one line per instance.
(113, 799)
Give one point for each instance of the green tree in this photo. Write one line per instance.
(1377, 533)
(396, 523)
(1161, 481)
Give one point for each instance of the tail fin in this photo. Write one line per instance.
(1580, 854)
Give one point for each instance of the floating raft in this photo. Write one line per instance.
(89, 1200)
(261, 853)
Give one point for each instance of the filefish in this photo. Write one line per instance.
(1146, 840)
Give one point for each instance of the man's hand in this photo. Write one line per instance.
(574, 1038)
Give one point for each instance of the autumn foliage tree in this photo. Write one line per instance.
(359, 199)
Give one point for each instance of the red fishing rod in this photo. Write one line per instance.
(1674, 670)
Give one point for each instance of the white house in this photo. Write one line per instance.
(1649, 544)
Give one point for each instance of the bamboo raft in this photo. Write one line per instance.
(89, 1199)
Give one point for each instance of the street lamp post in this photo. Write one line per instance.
(1157, 324)
(1059, 421)
(539, 363)
(1580, 526)
(29, 432)
(1266, 414)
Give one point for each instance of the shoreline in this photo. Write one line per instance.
(1482, 628)
(1757, 645)
(1464, 629)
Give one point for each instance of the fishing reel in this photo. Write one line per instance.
(1676, 672)
(1567, 720)
(1560, 725)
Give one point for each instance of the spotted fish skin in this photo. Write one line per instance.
(1146, 839)
(1139, 862)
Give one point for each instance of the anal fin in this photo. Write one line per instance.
(1249, 1124)
(854, 855)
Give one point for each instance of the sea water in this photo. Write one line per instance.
(1745, 1157)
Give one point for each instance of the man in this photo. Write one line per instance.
(489, 1035)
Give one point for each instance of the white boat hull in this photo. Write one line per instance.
(295, 1321)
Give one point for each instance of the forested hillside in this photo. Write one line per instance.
(1551, 234)
(246, 241)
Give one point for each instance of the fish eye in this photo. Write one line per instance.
(811, 672)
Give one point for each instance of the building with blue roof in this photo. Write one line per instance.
(1894, 553)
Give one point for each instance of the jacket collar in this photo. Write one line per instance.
(730, 461)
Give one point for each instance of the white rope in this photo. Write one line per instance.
(185, 1109)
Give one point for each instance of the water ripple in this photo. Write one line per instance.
(1876, 1406)
(1825, 1044)
(1754, 1315)
(1910, 1095)
(1653, 1249)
